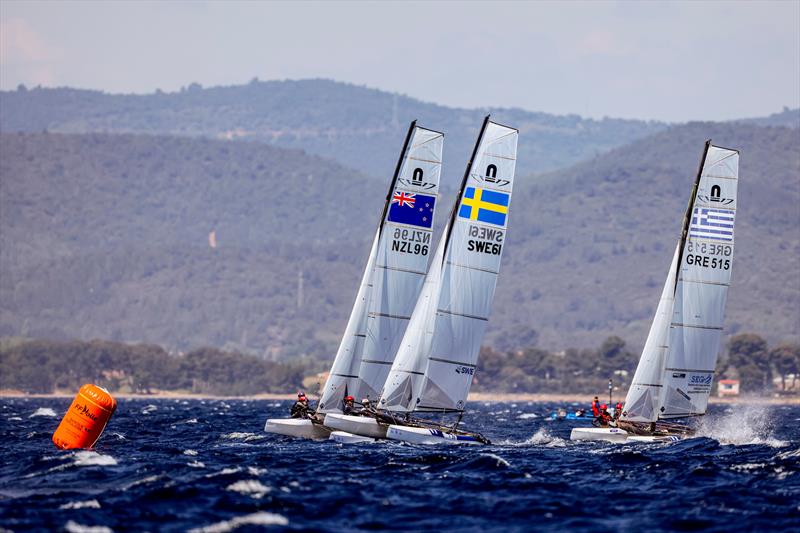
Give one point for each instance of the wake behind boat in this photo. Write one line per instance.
(676, 369)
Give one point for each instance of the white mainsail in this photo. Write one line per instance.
(402, 258)
(394, 272)
(675, 373)
(438, 354)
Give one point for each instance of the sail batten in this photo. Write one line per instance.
(437, 357)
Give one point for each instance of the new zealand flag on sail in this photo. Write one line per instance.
(412, 209)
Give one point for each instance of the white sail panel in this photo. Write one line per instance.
(343, 377)
(402, 258)
(642, 402)
(445, 341)
(702, 288)
(408, 369)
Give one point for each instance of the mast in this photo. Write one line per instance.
(396, 173)
(454, 210)
(687, 218)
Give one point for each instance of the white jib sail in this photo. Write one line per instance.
(438, 355)
(396, 264)
(402, 258)
(642, 402)
(343, 376)
(702, 288)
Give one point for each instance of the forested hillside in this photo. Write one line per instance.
(359, 127)
(107, 236)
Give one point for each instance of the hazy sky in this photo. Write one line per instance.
(671, 61)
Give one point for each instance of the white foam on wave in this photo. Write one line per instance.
(542, 437)
(149, 409)
(748, 424)
(500, 460)
(16, 418)
(43, 411)
(196, 464)
(255, 471)
(190, 452)
(225, 471)
(239, 435)
(261, 518)
(74, 527)
(89, 504)
(526, 416)
(250, 487)
(90, 458)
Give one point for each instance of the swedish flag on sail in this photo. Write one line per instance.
(484, 205)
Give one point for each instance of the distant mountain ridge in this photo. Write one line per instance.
(106, 236)
(354, 125)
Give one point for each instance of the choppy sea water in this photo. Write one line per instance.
(206, 465)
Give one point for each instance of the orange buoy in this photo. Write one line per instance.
(86, 418)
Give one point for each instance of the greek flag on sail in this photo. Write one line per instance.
(714, 224)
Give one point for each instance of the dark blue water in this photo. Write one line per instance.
(175, 465)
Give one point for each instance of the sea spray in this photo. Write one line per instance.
(746, 424)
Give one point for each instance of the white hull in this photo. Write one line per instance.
(297, 427)
(617, 435)
(364, 426)
(606, 434)
(343, 437)
(415, 435)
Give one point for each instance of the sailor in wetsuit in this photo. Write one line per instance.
(300, 407)
(349, 405)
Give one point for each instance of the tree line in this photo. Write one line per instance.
(42, 366)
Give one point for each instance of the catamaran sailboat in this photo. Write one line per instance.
(389, 287)
(675, 372)
(436, 360)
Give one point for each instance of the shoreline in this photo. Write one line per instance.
(567, 398)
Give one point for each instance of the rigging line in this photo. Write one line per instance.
(375, 362)
(687, 218)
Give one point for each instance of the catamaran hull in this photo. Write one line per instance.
(604, 434)
(343, 437)
(358, 425)
(415, 435)
(618, 435)
(297, 427)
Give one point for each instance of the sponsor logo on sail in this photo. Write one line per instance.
(715, 224)
(484, 205)
(412, 209)
(700, 380)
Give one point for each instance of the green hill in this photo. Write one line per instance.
(106, 236)
(357, 126)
